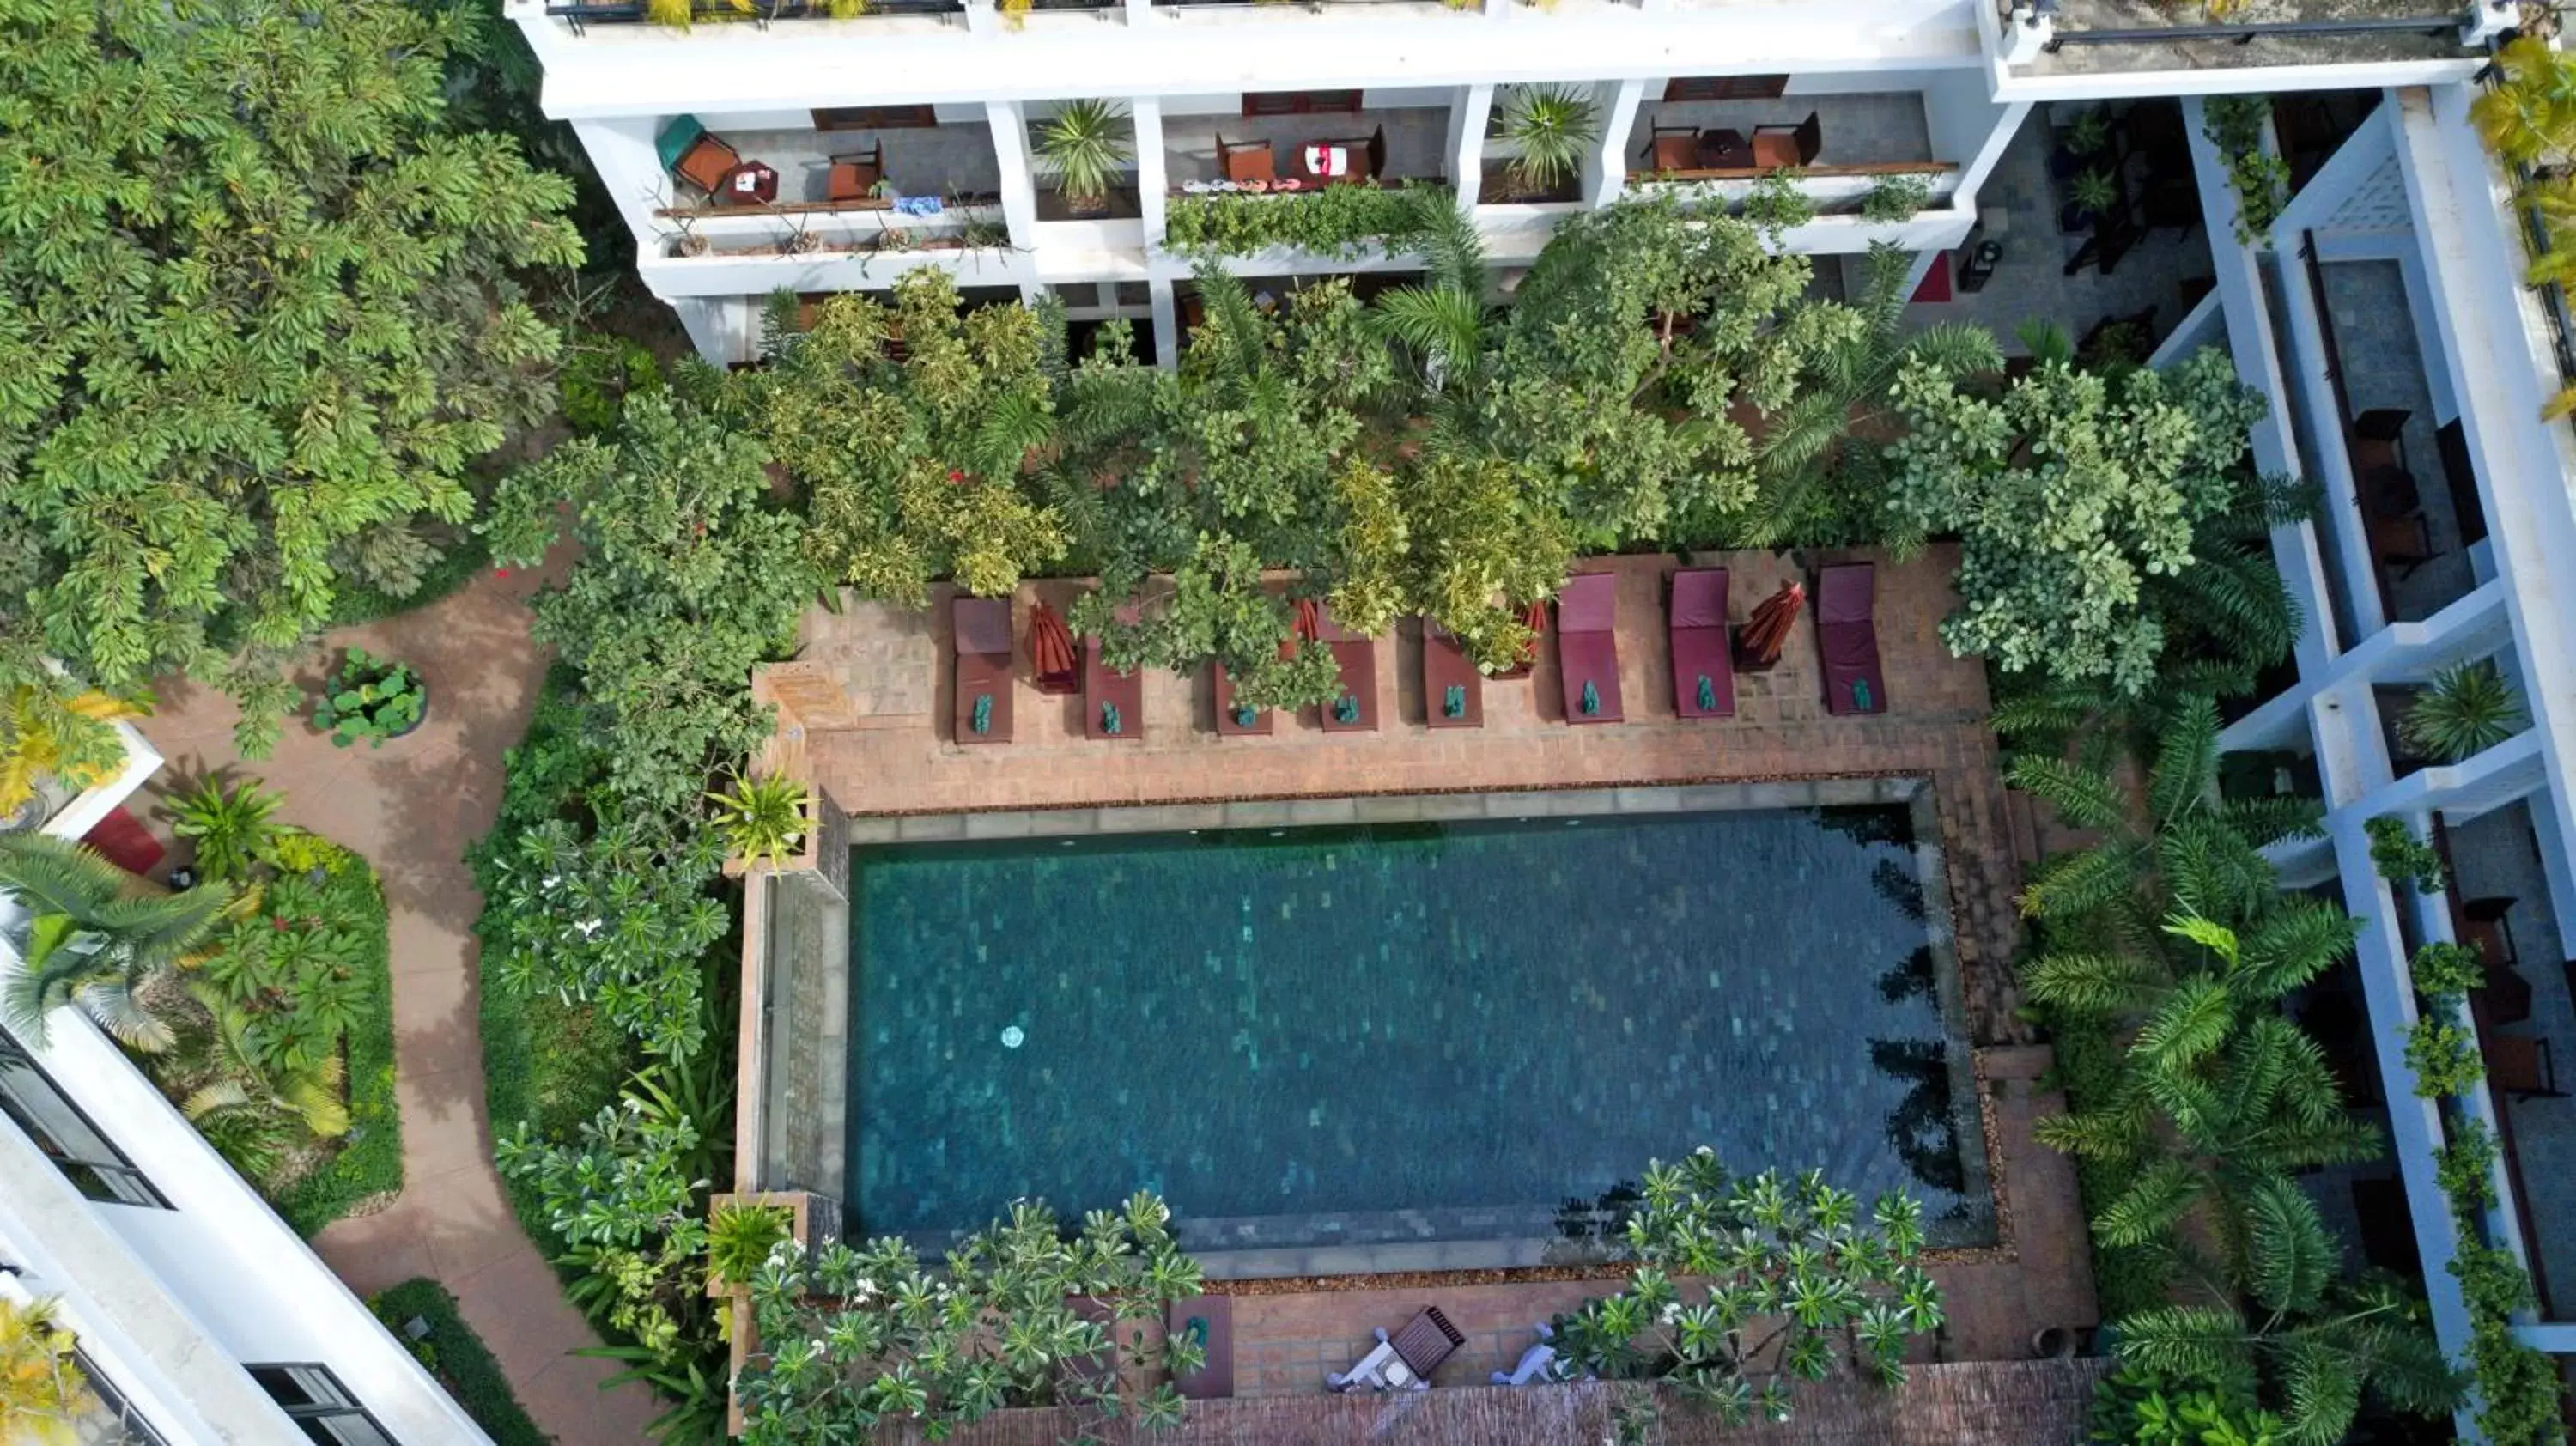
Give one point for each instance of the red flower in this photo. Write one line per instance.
(956, 476)
(500, 572)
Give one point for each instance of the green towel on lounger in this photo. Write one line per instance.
(1453, 703)
(1245, 715)
(1110, 722)
(1707, 694)
(1591, 700)
(983, 719)
(1346, 709)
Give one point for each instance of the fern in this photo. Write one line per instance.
(2324, 1394)
(2290, 1259)
(2070, 885)
(2203, 1341)
(2148, 1210)
(2082, 797)
(2193, 1021)
(2185, 775)
(2090, 983)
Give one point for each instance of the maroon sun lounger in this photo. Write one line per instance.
(1229, 720)
(1703, 673)
(1208, 1319)
(1587, 647)
(982, 626)
(1355, 711)
(1113, 704)
(1453, 692)
(1847, 638)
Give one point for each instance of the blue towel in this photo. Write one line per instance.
(917, 205)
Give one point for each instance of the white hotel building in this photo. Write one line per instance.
(199, 1318)
(2382, 315)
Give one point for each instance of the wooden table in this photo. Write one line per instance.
(1724, 151)
(753, 183)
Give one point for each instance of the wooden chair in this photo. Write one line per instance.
(854, 175)
(1371, 150)
(2379, 439)
(1672, 148)
(1788, 147)
(2521, 1067)
(1247, 160)
(689, 152)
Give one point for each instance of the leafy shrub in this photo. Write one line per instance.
(2448, 971)
(458, 1357)
(1896, 198)
(763, 819)
(2402, 858)
(1336, 221)
(372, 698)
(2465, 1168)
(739, 1238)
(228, 825)
(2464, 711)
(2234, 124)
(601, 373)
(2444, 1057)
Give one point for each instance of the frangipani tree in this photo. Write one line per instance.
(1744, 1284)
(863, 1336)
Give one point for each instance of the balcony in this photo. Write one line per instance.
(2411, 477)
(1416, 138)
(908, 186)
(2526, 1027)
(1838, 147)
(578, 14)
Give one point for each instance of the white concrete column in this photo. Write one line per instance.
(1973, 172)
(1139, 11)
(1167, 323)
(1605, 170)
(1467, 115)
(1011, 154)
(1153, 171)
(982, 18)
(630, 170)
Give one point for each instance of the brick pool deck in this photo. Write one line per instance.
(871, 691)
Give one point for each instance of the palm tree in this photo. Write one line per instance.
(1831, 436)
(2316, 1343)
(1081, 149)
(43, 1395)
(1444, 326)
(1550, 125)
(85, 942)
(2173, 929)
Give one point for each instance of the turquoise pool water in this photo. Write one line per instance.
(1424, 1032)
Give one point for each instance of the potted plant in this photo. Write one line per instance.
(1549, 126)
(2465, 710)
(2091, 198)
(372, 698)
(740, 1236)
(1080, 149)
(764, 818)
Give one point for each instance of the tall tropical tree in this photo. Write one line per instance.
(256, 322)
(2300, 1338)
(86, 942)
(1822, 457)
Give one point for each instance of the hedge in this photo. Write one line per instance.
(458, 1357)
(369, 1162)
(1334, 221)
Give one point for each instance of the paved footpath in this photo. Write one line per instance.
(411, 808)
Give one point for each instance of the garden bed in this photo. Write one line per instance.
(453, 1353)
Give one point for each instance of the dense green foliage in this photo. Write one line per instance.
(2235, 124)
(856, 1337)
(258, 320)
(458, 1358)
(1339, 221)
(81, 941)
(2402, 858)
(1746, 1285)
(2467, 709)
(2068, 492)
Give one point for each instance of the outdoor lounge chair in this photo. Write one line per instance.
(1113, 704)
(1587, 647)
(1209, 1319)
(854, 176)
(983, 643)
(1355, 711)
(1403, 1361)
(1453, 691)
(1247, 160)
(1703, 678)
(1229, 717)
(1847, 638)
(1778, 148)
(690, 153)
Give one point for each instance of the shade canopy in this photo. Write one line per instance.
(1050, 643)
(1767, 629)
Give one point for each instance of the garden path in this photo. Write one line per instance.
(411, 808)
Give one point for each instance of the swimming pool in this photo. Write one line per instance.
(1406, 1045)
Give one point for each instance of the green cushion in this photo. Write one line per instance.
(682, 133)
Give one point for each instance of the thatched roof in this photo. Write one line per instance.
(2004, 1403)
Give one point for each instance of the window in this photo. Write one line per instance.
(128, 1428)
(95, 1167)
(1726, 87)
(1302, 102)
(315, 1400)
(875, 118)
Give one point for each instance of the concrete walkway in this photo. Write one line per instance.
(411, 808)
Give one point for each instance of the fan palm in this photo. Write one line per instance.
(253, 1080)
(1081, 148)
(1444, 325)
(85, 942)
(1831, 434)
